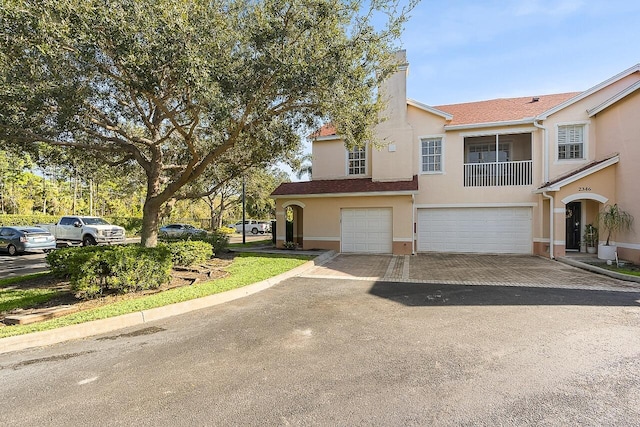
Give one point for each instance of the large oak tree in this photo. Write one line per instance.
(182, 87)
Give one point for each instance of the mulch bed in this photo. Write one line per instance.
(212, 269)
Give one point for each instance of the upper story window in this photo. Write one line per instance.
(431, 154)
(357, 161)
(571, 142)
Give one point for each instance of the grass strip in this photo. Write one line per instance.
(247, 268)
(11, 298)
(13, 280)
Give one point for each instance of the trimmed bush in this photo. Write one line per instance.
(188, 252)
(219, 241)
(226, 230)
(95, 270)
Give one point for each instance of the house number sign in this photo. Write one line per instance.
(584, 188)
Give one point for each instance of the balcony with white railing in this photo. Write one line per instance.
(498, 174)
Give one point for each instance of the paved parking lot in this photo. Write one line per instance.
(466, 269)
(315, 351)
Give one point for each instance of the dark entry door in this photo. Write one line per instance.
(574, 213)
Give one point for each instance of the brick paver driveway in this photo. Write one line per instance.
(467, 269)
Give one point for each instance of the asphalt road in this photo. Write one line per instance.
(313, 351)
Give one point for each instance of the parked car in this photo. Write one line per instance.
(85, 230)
(18, 239)
(179, 230)
(252, 226)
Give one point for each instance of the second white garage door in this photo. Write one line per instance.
(366, 230)
(475, 230)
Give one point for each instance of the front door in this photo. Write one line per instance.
(573, 214)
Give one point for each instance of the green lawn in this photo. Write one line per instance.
(266, 241)
(247, 268)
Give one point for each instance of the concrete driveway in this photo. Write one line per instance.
(465, 269)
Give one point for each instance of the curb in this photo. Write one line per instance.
(596, 269)
(96, 327)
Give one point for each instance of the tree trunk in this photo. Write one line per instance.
(150, 222)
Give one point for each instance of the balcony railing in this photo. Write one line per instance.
(498, 174)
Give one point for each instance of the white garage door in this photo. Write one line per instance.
(366, 230)
(476, 230)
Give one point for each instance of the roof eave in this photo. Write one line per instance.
(327, 138)
(356, 194)
(525, 121)
(429, 109)
(617, 97)
(573, 178)
(545, 115)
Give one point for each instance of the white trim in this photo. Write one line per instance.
(560, 242)
(442, 154)
(327, 138)
(323, 239)
(403, 239)
(362, 194)
(541, 240)
(293, 203)
(595, 168)
(525, 121)
(588, 92)
(585, 142)
(562, 211)
(499, 132)
(476, 205)
(429, 109)
(588, 196)
(365, 148)
(617, 97)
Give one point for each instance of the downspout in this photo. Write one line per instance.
(545, 150)
(413, 224)
(551, 223)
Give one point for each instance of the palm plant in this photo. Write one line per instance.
(613, 219)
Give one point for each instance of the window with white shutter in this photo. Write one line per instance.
(571, 142)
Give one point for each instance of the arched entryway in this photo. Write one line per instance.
(294, 222)
(581, 210)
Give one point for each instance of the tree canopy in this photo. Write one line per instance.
(192, 91)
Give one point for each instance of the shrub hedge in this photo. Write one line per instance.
(189, 252)
(219, 241)
(96, 270)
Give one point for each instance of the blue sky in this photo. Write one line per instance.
(465, 50)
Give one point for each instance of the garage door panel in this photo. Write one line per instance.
(366, 230)
(476, 230)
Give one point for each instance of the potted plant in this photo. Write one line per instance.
(612, 219)
(590, 238)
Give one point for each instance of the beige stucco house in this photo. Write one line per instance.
(518, 175)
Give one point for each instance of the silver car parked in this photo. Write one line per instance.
(18, 239)
(180, 230)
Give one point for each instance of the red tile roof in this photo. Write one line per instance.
(339, 186)
(503, 109)
(577, 171)
(325, 130)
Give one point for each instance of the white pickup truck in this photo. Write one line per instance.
(88, 230)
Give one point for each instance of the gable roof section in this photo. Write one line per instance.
(617, 97)
(501, 111)
(586, 93)
(345, 187)
(429, 109)
(577, 174)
